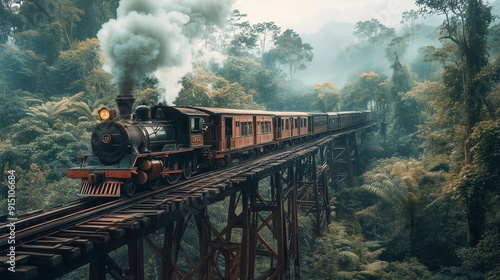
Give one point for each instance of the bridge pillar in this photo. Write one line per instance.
(136, 259)
(171, 247)
(97, 269)
(106, 265)
(313, 198)
(344, 155)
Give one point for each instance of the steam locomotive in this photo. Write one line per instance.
(169, 142)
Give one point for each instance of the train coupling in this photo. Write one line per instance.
(96, 177)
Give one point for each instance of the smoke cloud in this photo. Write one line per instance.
(151, 35)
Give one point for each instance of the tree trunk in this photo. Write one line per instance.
(473, 49)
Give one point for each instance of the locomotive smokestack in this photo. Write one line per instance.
(125, 103)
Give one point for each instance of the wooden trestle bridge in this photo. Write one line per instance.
(260, 239)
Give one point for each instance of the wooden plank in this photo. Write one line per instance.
(19, 259)
(101, 237)
(114, 231)
(23, 272)
(66, 251)
(42, 259)
(84, 244)
(125, 225)
(53, 241)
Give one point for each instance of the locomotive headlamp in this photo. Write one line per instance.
(106, 114)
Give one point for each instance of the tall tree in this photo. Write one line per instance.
(69, 16)
(410, 26)
(95, 13)
(327, 97)
(8, 9)
(265, 32)
(291, 51)
(396, 48)
(244, 41)
(406, 109)
(466, 25)
(369, 91)
(372, 31)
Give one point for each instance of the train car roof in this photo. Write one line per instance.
(317, 114)
(349, 112)
(282, 114)
(225, 111)
(332, 113)
(183, 110)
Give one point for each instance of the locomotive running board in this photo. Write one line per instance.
(106, 188)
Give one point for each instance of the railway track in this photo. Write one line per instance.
(73, 234)
(37, 223)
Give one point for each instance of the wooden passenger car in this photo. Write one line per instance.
(318, 123)
(366, 116)
(333, 121)
(233, 129)
(356, 117)
(290, 125)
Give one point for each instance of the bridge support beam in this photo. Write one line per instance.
(106, 265)
(136, 259)
(313, 198)
(344, 163)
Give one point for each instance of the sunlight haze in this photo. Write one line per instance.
(309, 16)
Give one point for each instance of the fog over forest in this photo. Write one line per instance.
(331, 64)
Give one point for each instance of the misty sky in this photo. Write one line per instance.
(308, 16)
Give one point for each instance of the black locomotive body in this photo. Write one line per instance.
(159, 142)
(170, 142)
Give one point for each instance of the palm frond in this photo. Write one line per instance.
(348, 258)
(372, 256)
(345, 275)
(376, 266)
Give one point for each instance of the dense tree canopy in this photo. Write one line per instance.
(432, 167)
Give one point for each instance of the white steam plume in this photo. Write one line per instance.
(151, 35)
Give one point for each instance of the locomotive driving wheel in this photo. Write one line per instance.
(129, 187)
(173, 164)
(188, 166)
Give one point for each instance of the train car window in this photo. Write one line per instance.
(246, 128)
(296, 123)
(287, 124)
(196, 124)
(237, 124)
(243, 129)
(282, 124)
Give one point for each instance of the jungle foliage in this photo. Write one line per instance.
(427, 205)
